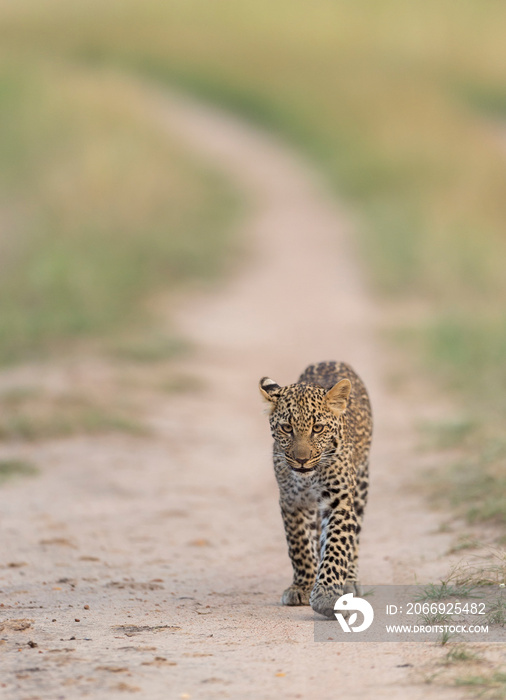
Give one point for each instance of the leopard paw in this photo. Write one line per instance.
(354, 587)
(295, 595)
(323, 598)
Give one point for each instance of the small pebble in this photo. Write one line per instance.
(86, 607)
(78, 620)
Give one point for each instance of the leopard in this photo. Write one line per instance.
(322, 432)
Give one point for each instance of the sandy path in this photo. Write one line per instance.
(175, 542)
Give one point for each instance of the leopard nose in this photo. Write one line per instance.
(301, 461)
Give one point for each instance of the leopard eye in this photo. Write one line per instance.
(318, 428)
(286, 428)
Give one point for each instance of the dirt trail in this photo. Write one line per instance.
(175, 542)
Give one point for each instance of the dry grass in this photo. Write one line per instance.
(487, 569)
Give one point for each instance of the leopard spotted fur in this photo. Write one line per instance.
(322, 428)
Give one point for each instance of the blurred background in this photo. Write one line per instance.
(401, 105)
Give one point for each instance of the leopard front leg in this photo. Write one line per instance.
(337, 548)
(352, 583)
(302, 539)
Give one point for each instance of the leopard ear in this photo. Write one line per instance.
(270, 391)
(337, 397)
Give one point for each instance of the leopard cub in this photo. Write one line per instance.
(322, 428)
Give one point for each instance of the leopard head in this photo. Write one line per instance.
(304, 420)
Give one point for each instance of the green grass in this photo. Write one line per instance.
(101, 210)
(435, 619)
(10, 468)
(476, 681)
(474, 487)
(446, 636)
(445, 590)
(491, 686)
(463, 543)
(453, 433)
(488, 98)
(459, 653)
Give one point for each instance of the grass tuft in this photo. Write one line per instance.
(46, 417)
(482, 570)
(10, 468)
(459, 653)
(491, 686)
(463, 543)
(445, 637)
(445, 590)
(496, 613)
(435, 618)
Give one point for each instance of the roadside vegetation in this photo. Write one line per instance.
(11, 468)
(100, 211)
(400, 104)
(33, 414)
(101, 215)
(477, 668)
(463, 667)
